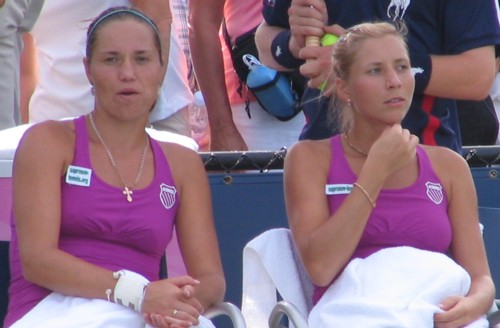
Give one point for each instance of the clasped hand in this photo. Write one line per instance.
(170, 303)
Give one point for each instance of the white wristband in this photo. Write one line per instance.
(130, 289)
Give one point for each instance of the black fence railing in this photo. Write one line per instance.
(482, 155)
(264, 161)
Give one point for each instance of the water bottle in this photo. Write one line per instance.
(272, 89)
(198, 117)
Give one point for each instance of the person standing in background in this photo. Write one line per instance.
(180, 14)
(451, 50)
(16, 18)
(231, 128)
(495, 89)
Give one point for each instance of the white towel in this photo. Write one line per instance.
(60, 311)
(269, 264)
(395, 287)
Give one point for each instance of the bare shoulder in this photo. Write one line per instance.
(309, 148)
(180, 157)
(48, 136)
(443, 154)
(445, 161)
(47, 145)
(309, 152)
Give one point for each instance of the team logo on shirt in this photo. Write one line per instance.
(434, 192)
(167, 195)
(397, 9)
(270, 3)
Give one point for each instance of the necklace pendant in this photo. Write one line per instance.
(128, 193)
(126, 190)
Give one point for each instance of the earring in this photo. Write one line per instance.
(92, 91)
(349, 103)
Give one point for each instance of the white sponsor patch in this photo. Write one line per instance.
(78, 176)
(338, 189)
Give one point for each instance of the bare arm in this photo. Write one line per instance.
(263, 39)
(29, 78)
(197, 240)
(306, 18)
(195, 227)
(205, 20)
(472, 81)
(39, 163)
(467, 246)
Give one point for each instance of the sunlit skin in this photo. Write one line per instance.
(125, 69)
(380, 86)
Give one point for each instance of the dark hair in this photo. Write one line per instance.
(345, 51)
(120, 13)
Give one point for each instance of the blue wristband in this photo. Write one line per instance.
(281, 52)
(422, 68)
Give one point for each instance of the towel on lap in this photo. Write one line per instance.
(60, 311)
(394, 287)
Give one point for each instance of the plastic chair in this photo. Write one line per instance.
(264, 255)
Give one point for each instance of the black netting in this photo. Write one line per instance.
(263, 161)
(478, 156)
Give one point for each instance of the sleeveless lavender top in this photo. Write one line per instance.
(98, 225)
(413, 216)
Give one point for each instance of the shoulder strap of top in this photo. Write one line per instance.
(81, 156)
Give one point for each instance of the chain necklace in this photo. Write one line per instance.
(127, 191)
(357, 150)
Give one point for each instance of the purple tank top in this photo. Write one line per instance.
(98, 225)
(413, 216)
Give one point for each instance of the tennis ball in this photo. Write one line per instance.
(328, 39)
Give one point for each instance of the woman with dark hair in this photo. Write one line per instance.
(96, 200)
